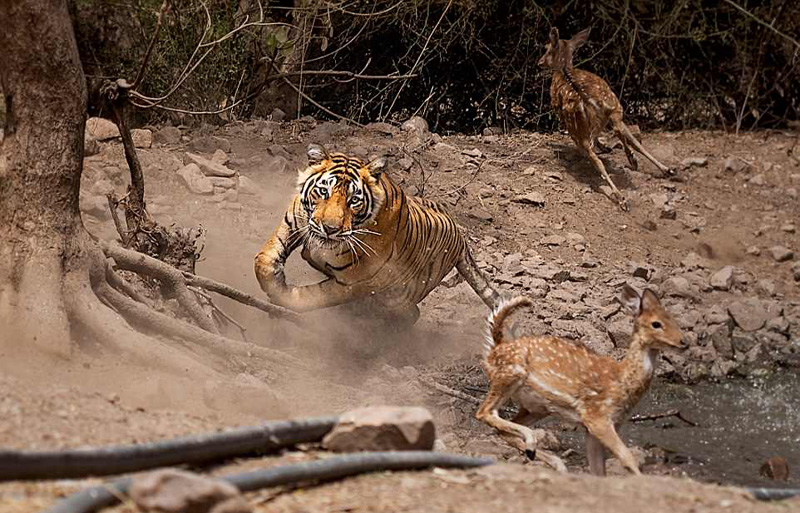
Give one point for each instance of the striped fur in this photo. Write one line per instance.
(374, 243)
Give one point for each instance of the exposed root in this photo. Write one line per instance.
(105, 326)
(150, 320)
(143, 264)
(170, 278)
(122, 285)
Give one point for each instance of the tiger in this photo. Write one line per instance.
(378, 247)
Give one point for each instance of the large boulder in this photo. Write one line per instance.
(167, 135)
(210, 144)
(382, 428)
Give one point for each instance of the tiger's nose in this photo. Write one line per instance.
(329, 229)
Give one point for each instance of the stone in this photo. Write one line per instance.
(225, 183)
(415, 124)
(248, 186)
(619, 331)
(694, 162)
(210, 144)
(677, 286)
(765, 287)
(405, 163)
(142, 137)
(532, 198)
(659, 200)
(775, 468)
(723, 279)
(102, 129)
(742, 341)
(757, 180)
(167, 135)
(749, 314)
(473, 153)
(668, 212)
(277, 115)
(481, 214)
(220, 157)
(754, 250)
(640, 271)
(195, 180)
(552, 240)
(720, 336)
(796, 271)
(179, 491)
(90, 145)
(208, 167)
(788, 228)
(781, 253)
(381, 128)
(95, 205)
(735, 164)
(693, 261)
(382, 428)
(102, 187)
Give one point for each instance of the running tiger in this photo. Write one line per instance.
(378, 246)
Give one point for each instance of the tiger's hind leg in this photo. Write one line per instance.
(468, 268)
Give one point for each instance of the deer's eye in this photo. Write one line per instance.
(656, 325)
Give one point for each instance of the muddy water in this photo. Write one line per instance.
(741, 424)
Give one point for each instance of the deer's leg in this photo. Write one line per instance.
(595, 454)
(518, 436)
(598, 164)
(625, 135)
(607, 435)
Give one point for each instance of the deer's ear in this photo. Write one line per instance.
(316, 153)
(630, 300)
(580, 39)
(650, 300)
(554, 36)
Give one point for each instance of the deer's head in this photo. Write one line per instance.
(558, 52)
(652, 322)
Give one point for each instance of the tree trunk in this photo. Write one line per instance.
(40, 226)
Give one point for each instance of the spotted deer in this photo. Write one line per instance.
(549, 375)
(585, 103)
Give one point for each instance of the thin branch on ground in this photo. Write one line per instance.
(670, 413)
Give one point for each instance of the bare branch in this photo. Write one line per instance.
(143, 66)
(762, 22)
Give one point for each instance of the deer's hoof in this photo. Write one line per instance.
(530, 454)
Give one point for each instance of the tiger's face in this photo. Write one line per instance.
(341, 195)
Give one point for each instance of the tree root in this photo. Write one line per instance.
(143, 264)
(147, 319)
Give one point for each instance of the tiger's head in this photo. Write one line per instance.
(341, 195)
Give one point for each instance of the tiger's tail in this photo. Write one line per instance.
(497, 320)
(468, 268)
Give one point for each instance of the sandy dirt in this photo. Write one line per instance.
(98, 399)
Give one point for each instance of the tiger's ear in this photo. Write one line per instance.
(316, 153)
(375, 166)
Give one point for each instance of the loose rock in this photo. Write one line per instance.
(142, 138)
(749, 314)
(532, 198)
(723, 279)
(195, 180)
(415, 124)
(775, 468)
(90, 145)
(735, 164)
(220, 157)
(208, 167)
(210, 144)
(179, 491)
(694, 162)
(102, 129)
(781, 253)
(382, 428)
(167, 135)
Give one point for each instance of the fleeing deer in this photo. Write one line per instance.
(585, 103)
(549, 375)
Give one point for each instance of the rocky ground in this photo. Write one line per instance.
(718, 242)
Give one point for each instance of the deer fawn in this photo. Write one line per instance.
(585, 103)
(549, 375)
